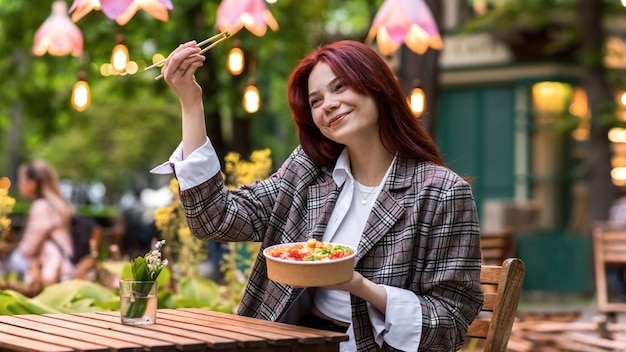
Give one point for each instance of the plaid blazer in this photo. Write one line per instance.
(422, 235)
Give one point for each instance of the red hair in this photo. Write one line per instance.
(364, 71)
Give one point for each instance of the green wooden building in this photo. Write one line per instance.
(518, 129)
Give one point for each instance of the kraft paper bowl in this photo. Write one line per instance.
(309, 273)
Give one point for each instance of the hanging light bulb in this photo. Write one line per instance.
(236, 61)
(81, 94)
(120, 56)
(251, 99)
(417, 100)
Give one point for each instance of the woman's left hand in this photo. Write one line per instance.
(351, 285)
(364, 288)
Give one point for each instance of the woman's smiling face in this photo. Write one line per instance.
(341, 114)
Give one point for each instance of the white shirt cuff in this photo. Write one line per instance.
(200, 165)
(401, 326)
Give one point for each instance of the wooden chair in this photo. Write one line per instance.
(495, 322)
(496, 246)
(609, 247)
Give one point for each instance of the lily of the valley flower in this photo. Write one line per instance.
(232, 15)
(58, 35)
(148, 267)
(146, 270)
(121, 11)
(404, 21)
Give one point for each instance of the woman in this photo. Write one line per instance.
(365, 174)
(42, 255)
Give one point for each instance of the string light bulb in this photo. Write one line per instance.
(417, 100)
(81, 93)
(120, 56)
(251, 99)
(236, 62)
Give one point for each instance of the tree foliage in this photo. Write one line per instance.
(133, 122)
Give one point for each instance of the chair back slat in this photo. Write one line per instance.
(497, 246)
(490, 302)
(479, 328)
(609, 248)
(495, 322)
(490, 274)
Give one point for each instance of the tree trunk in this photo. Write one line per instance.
(14, 134)
(602, 192)
(423, 71)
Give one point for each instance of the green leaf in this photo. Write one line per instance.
(67, 296)
(120, 268)
(16, 308)
(5, 301)
(200, 289)
(140, 270)
(188, 302)
(112, 304)
(166, 299)
(84, 305)
(155, 274)
(164, 278)
(32, 306)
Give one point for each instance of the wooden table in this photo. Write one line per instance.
(189, 329)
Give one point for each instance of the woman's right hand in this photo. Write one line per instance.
(179, 71)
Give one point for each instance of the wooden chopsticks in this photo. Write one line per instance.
(218, 38)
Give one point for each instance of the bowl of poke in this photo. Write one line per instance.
(310, 264)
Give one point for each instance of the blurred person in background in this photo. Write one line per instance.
(43, 253)
(616, 277)
(617, 214)
(136, 219)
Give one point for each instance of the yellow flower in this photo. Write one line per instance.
(5, 223)
(239, 172)
(6, 207)
(173, 186)
(184, 233)
(171, 222)
(162, 216)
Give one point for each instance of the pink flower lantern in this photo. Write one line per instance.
(82, 7)
(232, 15)
(155, 8)
(58, 35)
(121, 11)
(404, 21)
